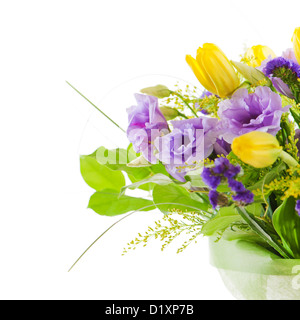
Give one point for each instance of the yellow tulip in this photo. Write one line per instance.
(214, 70)
(255, 55)
(259, 149)
(296, 43)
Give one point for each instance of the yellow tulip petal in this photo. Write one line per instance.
(203, 78)
(296, 43)
(219, 69)
(256, 148)
(255, 55)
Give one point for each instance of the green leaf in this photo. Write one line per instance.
(110, 203)
(176, 197)
(224, 218)
(265, 231)
(253, 75)
(287, 224)
(194, 177)
(118, 159)
(158, 178)
(98, 176)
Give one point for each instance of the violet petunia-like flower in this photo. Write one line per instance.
(146, 123)
(245, 112)
(191, 140)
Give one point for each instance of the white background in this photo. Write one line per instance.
(99, 46)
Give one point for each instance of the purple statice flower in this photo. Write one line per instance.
(211, 179)
(146, 122)
(236, 186)
(298, 207)
(221, 171)
(245, 112)
(213, 198)
(283, 72)
(244, 197)
(190, 140)
(279, 85)
(281, 62)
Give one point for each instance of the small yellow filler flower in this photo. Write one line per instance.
(214, 70)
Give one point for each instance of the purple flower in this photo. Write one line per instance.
(244, 197)
(283, 72)
(280, 86)
(298, 207)
(246, 112)
(191, 140)
(146, 122)
(236, 186)
(290, 55)
(221, 171)
(221, 147)
(206, 93)
(210, 179)
(213, 198)
(281, 62)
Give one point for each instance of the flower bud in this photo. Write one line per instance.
(160, 91)
(256, 148)
(169, 113)
(255, 55)
(214, 70)
(296, 43)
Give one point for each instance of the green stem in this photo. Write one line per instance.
(182, 115)
(96, 107)
(181, 97)
(288, 159)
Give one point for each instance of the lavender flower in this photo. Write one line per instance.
(285, 73)
(244, 197)
(146, 122)
(191, 140)
(221, 171)
(213, 198)
(281, 62)
(246, 112)
(210, 179)
(280, 86)
(298, 207)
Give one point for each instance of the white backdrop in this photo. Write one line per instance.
(99, 46)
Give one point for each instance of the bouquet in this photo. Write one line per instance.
(221, 162)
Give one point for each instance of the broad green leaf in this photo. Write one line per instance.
(265, 231)
(158, 178)
(118, 159)
(253, 75)
(98, 176)
(176, 197)
(287, 224)
(110, 203)
(224, 218)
